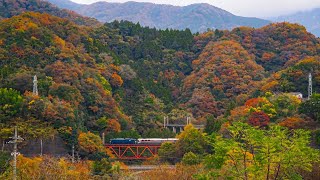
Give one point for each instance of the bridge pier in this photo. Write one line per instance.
(178, 127)
(174, 129)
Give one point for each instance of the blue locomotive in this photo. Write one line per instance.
(142, 140)
(123, 141)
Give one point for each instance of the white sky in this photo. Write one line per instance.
(256, 8)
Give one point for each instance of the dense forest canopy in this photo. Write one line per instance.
(135, 75)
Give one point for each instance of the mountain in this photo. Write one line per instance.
(309, 19)
(9, 8)
(66, 4)
(197, 17)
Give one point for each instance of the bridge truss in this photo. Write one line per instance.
(133, 151)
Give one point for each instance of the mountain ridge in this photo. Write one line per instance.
(9, 8)
(309, 19)
(197, 17)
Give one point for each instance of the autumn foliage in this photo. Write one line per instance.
(90, 142)
(121, 79)
(293, 123)
(259, 119)
(224, 68)
(116, 80)
(52, 168)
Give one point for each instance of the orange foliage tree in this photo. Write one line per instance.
(116, 80)
(113, 126)
(293, 123)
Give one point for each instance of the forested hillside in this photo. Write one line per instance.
(9, 8)
(121, 79)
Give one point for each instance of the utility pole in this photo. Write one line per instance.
(165, 121)
(14, 141)
(103, 139)
(310, 86)
(41, 146)
(72, 154)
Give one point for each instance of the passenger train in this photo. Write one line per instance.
(142, 140)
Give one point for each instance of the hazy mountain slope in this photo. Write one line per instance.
(66, 4)
(197, 17)
(9, 8)
(309, 19)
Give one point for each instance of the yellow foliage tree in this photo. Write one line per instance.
(90, 143)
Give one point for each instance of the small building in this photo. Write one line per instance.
(296, 94)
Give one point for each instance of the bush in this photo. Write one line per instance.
(167, 152)
(101, 167)
(317, 137)
(4, 161)
(191, 159)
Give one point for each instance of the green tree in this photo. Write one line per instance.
(311, 107)
(252, 153)
(317, 137)
(212, 124)
(101, 167)
(167, 152)
(66, 92)
(285, 104)
(10, 103)
(4, 161)
(191, 140)
(191, 159)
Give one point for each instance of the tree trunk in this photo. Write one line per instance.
(41, 147)
(278, 170)
(268, 172)
(245, 165)
(2, 149)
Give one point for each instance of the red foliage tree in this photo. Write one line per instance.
(259, 119)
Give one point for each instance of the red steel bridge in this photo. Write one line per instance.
(134, 151)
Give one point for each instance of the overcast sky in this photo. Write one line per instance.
(256, 8)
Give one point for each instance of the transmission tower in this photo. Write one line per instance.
(35, 85)
(310, 86)
(14, 141)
